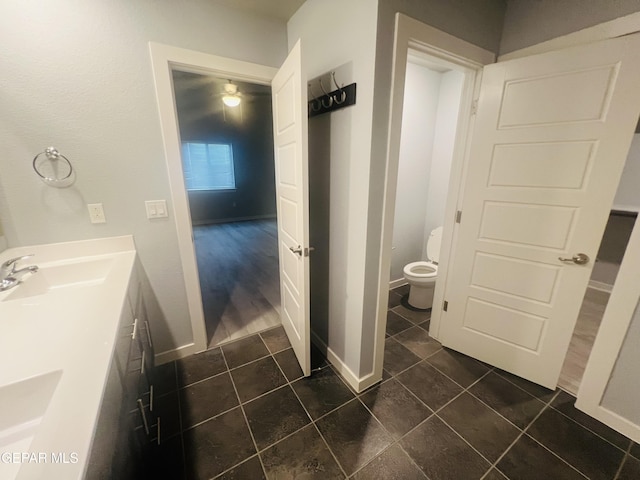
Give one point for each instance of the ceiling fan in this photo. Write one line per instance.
(231, 97)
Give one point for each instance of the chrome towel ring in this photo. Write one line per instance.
(52, 156)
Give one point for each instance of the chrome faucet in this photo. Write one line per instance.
(10, 277)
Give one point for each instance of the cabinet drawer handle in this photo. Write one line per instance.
(135, 327)
(151, 398)
(146, 324)
(143, 360)
(144, 416)
(158, 422)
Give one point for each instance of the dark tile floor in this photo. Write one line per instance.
(243, 411)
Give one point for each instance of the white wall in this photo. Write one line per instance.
(76, 74)
(628, 194)
(429, 124)
(420, 108)
(333, 33)
(445, 135)
(529, 22)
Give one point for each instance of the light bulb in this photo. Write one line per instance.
(231, 100)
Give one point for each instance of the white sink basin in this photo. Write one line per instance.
(22, 406)
(81, 273)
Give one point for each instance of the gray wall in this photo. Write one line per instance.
(350, 42)
(248, 128)
(528, 22)
(77, 75)
(3, 240)
(628, 194)
(622, 395)
(614, 243)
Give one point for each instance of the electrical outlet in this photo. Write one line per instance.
(96, 213)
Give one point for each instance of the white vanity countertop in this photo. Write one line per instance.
(72, 330)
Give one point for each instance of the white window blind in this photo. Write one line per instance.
(208, 166)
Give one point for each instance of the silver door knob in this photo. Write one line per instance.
(578, 259)
(297, 250)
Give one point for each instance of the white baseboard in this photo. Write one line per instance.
(397, 283)
(199, 223)
(175, 354)
(359, 384)
(603, 287)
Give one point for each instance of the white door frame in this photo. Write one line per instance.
(415, 35)
(164, 59)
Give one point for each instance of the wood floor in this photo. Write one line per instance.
(239, 278)
(589, 318)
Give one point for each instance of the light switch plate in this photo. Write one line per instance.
(156, 208)
(96, 213)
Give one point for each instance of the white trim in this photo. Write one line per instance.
(600, 286)
(626, 208)
(175, 354)
(603, 31)
(397, 283)
(164, 59)
(613, 420)
(611, 334)
(355, 382)
(235, 219)
(410, 33)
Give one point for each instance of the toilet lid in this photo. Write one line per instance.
(433, 245)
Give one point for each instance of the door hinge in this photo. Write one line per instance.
(445, 306)
(474, 107)
(458, 216)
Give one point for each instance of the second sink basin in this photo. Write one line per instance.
(51, 277)
(22, 406)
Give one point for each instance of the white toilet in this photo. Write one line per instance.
(422, 275)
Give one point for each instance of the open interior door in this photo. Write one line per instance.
(551, 135)
(289, 94)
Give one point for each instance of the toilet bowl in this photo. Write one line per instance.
(422, 275)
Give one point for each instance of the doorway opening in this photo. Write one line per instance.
(614, 243)
(229, 176)
(431, 107)
(419, 46)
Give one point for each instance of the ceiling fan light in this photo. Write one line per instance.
(231, 100)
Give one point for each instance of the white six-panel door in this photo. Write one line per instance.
(550, 140)
(289, 94)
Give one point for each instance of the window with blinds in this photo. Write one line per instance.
(208, 166)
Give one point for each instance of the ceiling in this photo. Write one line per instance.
(200, 96)
(279, 9)
(194, 84)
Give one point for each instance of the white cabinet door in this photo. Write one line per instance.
(551, 136)
(289, 95)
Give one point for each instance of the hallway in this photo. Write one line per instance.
(239, 278)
